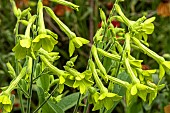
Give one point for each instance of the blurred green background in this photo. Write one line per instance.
(84, 23)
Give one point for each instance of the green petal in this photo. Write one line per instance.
(97, 106)
(133, 90)
(83, 41)
(20, 52)
(7, 108)
(61, 80)
(71, 48)
(25, 42)
(149, 20)
(102, 96)
(77, 42)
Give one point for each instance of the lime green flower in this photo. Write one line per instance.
(100, 100)
(74, 42)
(47, 42)
(140, 90)
(23, 48)
(5, 102)
(82, 80)
(106, 100)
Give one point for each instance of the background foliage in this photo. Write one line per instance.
(84, 23)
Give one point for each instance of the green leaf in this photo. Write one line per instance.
(55, 107)
(68, 101)
(24, 85)
(136, 108)
(71, 48)
(49, 106)
(44, 82)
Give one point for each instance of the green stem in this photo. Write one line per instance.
(121, 58)
(23, 91)
(30, 94)
(86, 107)
(21, 102)
(77, 105)
(17, 66)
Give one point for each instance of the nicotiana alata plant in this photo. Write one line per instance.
(110, 63)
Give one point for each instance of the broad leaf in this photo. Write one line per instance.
(68, 101)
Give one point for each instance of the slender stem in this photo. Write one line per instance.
(30, 94)
(16, 65)
(121, 58)
(39, 76)
(77, 105)
(46, 99)
(23, 90)
(86, 107)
